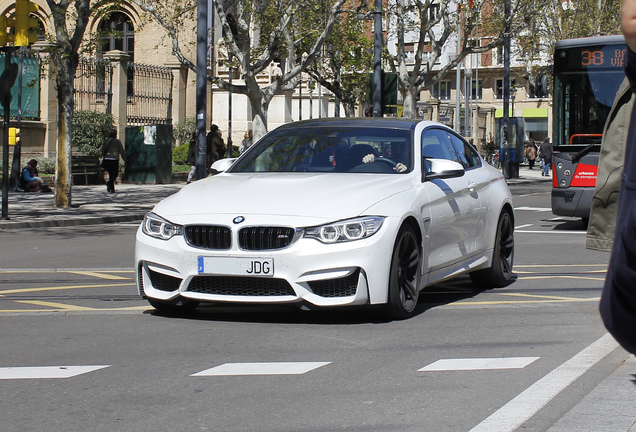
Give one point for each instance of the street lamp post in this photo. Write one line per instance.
(201, 87)
(505, 148)
(513, 169)
(377, 60)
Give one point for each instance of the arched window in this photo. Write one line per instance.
(118, 34)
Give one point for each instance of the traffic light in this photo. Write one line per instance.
(14, 136)
(24, 24)
(5, 36)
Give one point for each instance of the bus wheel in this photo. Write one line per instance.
(500, 273)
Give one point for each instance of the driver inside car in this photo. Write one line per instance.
(370, 158)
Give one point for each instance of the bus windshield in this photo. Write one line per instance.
(587, 75)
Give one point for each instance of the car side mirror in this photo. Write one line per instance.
(222, 165)
(441, 169)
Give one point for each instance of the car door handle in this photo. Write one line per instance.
(472, 186)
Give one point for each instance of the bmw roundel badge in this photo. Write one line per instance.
(238, 219)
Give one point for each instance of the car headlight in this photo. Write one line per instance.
(157, 227)
(349, 230)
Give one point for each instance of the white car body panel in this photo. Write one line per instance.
(318, 197)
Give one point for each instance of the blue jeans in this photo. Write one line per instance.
(546, 167)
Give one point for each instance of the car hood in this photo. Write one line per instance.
(323, 197)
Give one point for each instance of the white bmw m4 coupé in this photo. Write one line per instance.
(328, 213)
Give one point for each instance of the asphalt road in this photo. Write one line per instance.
(469, 360)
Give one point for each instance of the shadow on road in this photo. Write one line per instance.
(574, 224)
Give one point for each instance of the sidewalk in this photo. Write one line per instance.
(90, 205)
(529, 176)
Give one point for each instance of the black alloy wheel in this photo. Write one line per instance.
(404, 276)
(500, 273)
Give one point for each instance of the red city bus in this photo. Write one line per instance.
(587, 75)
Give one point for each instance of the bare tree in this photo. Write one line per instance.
(256, 33)
(434, 25)
(563, 20)
(347, 61)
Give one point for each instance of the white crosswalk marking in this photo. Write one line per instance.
(46, 372)
(478, 364)
(512, 415)
(275, 368)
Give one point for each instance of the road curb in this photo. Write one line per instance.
(78, 221)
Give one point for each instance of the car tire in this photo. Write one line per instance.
(179, 306)
(404, 276)
(500, 273)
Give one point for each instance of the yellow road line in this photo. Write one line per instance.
(558, 265)
(505, 302)
(99, 275)
(68, 287)
(547, 297)
(564, 277)
(521, 272)
(130, 308)
(62, 306)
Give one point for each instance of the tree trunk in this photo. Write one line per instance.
(63, 174)
(409, 104)
(349, 109)
(259, 120)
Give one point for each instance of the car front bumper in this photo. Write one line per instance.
(306, 272)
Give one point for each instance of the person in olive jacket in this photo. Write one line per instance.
(618, 301)
(602, 223)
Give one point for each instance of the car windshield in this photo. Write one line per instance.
(329, 149)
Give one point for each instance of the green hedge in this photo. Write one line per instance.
(90, 128)
(180, 154)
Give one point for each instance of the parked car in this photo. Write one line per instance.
(332, 212)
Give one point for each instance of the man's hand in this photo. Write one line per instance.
(400, 167)
(628, 23)
(370, 158)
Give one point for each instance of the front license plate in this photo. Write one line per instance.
(236, 266)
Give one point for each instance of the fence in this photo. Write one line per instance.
(149, 95)
(148, 91)
(93, 85)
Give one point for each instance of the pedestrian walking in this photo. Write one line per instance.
(530, 153)
(192, 156)
(215, 147)
(545, 153)
(112, 150)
